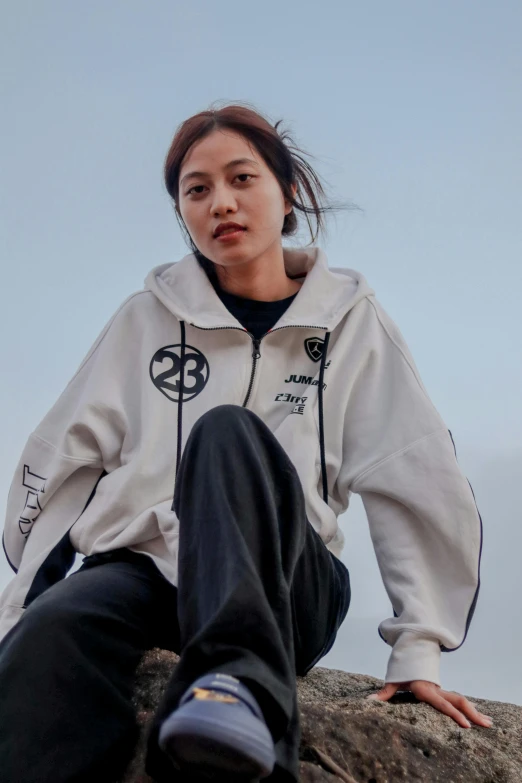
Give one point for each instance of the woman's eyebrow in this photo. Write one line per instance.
(229, 165)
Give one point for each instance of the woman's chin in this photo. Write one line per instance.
(231, 254)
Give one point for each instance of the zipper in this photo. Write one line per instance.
(256, 346)
(256, 353)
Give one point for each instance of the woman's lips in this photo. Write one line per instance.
(230, 235)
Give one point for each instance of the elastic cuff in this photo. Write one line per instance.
(414, 657)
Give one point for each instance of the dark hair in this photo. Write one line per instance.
(284, 160)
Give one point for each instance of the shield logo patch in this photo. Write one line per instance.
(314, 348)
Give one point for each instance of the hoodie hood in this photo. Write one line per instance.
(325, 297)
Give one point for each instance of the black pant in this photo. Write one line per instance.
(259, 596)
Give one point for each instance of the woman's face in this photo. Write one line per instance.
(223, 191)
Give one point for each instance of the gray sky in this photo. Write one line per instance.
(412, 110)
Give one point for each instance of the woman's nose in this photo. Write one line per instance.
(223, 202)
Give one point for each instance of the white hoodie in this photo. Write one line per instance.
(335, 383)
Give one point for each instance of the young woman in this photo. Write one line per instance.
(199, 459)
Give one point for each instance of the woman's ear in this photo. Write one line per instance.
(290, 206)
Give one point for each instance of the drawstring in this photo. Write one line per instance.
(321, 422)
(180, 400)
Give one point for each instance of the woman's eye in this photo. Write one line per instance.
(202, 186)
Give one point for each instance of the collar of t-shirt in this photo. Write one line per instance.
(257, 317)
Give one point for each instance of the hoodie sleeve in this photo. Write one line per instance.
(64, 457)
(425, 527)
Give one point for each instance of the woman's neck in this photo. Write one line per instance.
(257, 280)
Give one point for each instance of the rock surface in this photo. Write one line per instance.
(346, 738)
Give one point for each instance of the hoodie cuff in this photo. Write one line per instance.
(414, 657)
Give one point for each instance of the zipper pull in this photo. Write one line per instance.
(256, 353)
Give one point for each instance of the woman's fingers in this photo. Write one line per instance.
(385, 693)
(467, 708)
(438, 700)
(452, 704)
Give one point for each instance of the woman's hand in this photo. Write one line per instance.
(448, 702)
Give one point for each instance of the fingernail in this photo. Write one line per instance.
(467, 724)
(373, 696)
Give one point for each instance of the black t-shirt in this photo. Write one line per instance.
(258, 317)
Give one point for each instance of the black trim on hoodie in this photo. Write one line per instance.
(15, 569)
(54, 568)
(181, 389)
(58, 562)
(475, 599)
(321, 422)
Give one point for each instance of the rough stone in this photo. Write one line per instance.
(344, 737)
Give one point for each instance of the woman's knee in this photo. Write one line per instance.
(228, 424)
(220, 426)
(222, 415)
